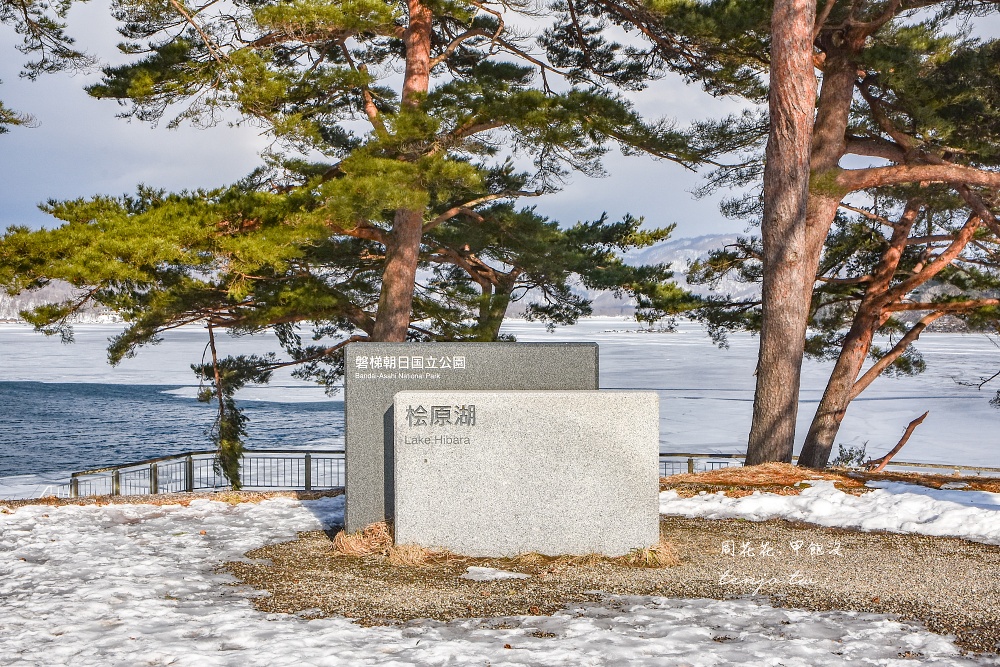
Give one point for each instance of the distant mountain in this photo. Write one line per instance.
(678, 253)
(55, 292)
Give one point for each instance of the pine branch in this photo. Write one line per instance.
(209, 44)
(852, 180)
(467, 206)
(897, 351)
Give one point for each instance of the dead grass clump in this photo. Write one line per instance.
(530, 559)
(766, 474)
(409, 555)
(235, 497)
(658, 555)
(373, 539)
(787, 479)
(588, 560)
(777, 478)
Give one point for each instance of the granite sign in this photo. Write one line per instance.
(375, 372)
(499, 473)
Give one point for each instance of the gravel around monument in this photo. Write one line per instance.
(949, 584)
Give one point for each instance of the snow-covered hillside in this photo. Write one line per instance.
(55, 292)
(678, 253)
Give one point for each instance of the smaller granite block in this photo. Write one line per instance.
(498, 473)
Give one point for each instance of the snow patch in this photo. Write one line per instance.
(893, 506)
(491, 574)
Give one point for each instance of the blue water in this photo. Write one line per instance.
(62, 408)
(49, 427)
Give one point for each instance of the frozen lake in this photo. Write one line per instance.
(62, 408)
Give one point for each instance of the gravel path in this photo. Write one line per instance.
(949, 584)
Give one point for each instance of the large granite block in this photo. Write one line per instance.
(498, 473)
(374, 372)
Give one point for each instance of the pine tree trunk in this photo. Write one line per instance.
(399, 276)
(492, 310)
(402, 253)
(786, 183)
(843, 384)
(828, 147)
(833, 406)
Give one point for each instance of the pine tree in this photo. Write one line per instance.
(920, 89)
(399, 180)
(470, 92)
(896, 88)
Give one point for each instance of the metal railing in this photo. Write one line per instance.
(289, 469)
(315, 470)
(677, 463)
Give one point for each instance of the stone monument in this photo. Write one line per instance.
(499, 473)
(374, 372)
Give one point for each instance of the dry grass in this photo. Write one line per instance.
(737, 481)
(991, 484)
(785, 479)
(410, 555)
(781, 474)
(660, 555)
(232, 497)
(530, 559)
(375, 539)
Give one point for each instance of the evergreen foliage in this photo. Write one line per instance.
(387, 208)
(902, 89)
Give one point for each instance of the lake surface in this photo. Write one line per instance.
(62, 408)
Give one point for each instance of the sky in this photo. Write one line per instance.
(81, 149)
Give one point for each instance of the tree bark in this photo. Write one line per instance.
(492, 308)
(833, 406)
(399, 276)
(786, 186)
(839, 388)
(844, 385)
(828, 147)
(402, 251)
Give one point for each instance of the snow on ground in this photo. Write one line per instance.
(491, 574)
(893, 506)
(32, 486)
(126, 585)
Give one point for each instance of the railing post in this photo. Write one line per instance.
(189, 473)
(691, 465)
(74, 487)
(154, 482)
(309, 472)
(116, 482)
